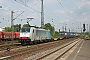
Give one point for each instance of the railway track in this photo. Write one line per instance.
(6, 41)
(4, 47)
(10, 47)
(35, 49)
(8, 44)
(57, 54)
(54, 53)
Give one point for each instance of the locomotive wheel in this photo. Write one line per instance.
(35, 42)
(23, 43)
(31, 43)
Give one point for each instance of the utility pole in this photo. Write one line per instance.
(65, 28)
(42, 14)
(69, 30)
(59, 30)
(87, 28)
(81, 27)
(0, 6)
(12, 23)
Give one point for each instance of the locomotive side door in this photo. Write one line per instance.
(33, 34)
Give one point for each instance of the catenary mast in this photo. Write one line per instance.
(42, 14)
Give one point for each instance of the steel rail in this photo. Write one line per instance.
(47, 52)
(7, 57)
(61, 54)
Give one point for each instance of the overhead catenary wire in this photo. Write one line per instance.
(18, 15)
(66, 10)
(24, 4)
(63, 7)
(49, 10)
(35, 10)
(66, 2)
(32, 8)
(27, 6)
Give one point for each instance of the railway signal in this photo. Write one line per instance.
(59, 30)
(69, 30)
(84, 28)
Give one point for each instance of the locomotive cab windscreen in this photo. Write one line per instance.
(25, 30)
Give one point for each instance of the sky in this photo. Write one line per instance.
(59, 13)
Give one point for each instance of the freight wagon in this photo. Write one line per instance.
(7, 35)
(66, 35)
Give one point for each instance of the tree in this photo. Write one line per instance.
(26, 25)
(56, 35)
(51, 28)
(89, 35)
(16, 28)
(7, 29)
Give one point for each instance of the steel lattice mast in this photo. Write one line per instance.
(42, 14)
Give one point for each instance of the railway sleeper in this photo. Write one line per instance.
(41, 55)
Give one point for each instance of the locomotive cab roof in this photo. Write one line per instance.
(36, 28)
